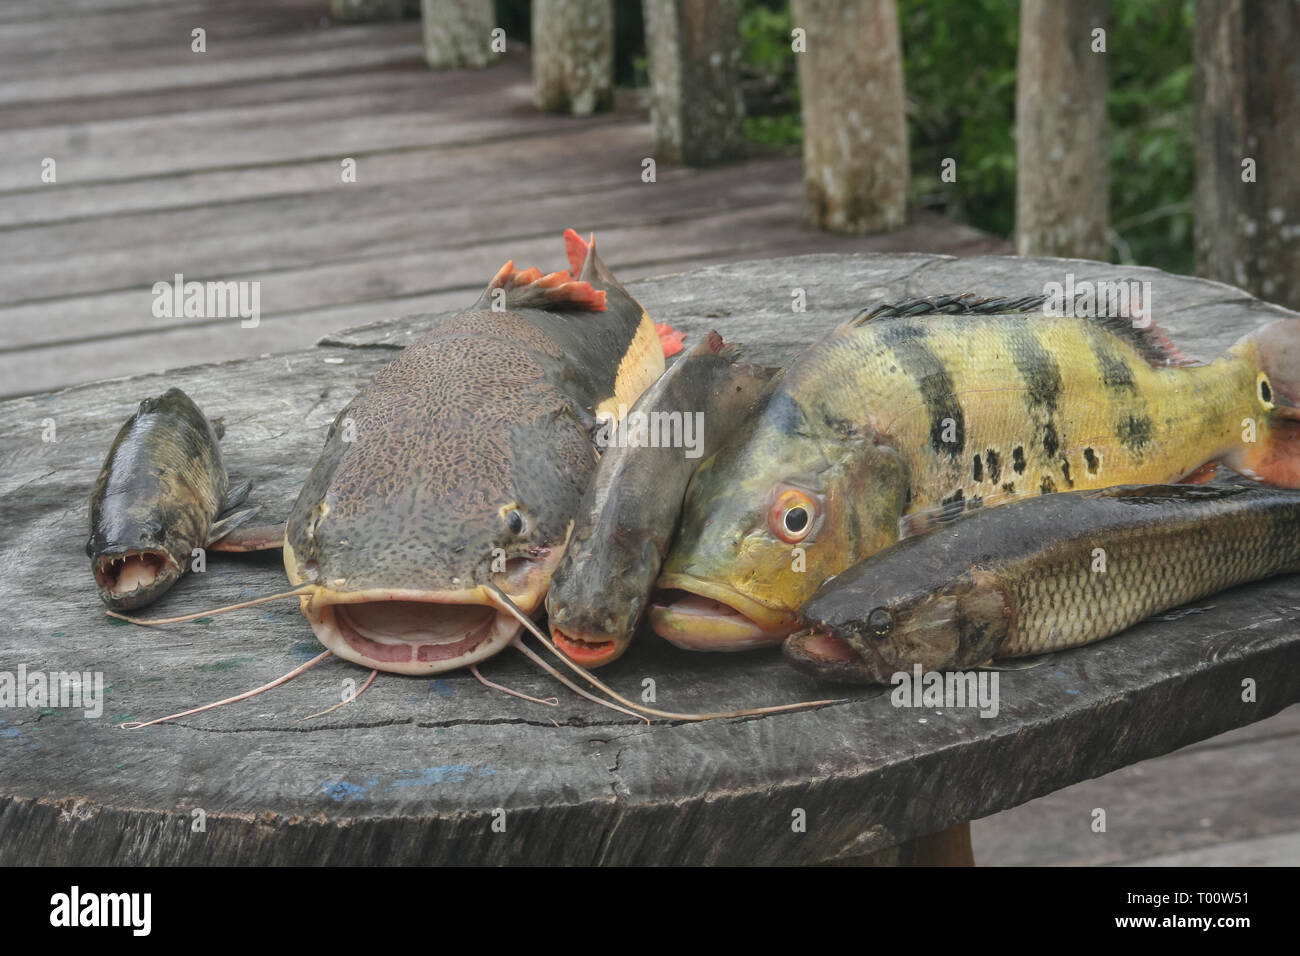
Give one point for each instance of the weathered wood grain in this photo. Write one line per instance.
(382, 286)
(1240, 786)
(413, 771)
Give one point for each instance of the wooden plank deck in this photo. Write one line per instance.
(225, 165)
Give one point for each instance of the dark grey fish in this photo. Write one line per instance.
(163, 491)
(1041, 575)
(625, 523)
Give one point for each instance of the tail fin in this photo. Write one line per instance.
(1274, 454)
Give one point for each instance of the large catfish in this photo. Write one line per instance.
(459, 469)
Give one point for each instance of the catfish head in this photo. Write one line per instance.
(432, 490)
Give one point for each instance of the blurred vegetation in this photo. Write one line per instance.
(959, 61)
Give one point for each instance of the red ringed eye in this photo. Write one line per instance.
(792, 515)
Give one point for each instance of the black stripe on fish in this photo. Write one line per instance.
(977, 469)
(938, 392)
(785, 414)
(1134, 431)
(1018, 460)
(1042, 377)
(1115, 372)
(1038, 369)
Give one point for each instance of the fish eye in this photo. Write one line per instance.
(1265, 390)
(792, 514)
(879, 623)
(515, 521)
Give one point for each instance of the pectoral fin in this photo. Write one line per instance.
(235, 496)
(228, 523)
(264, 537)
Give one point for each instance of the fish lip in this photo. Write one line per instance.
(757, 626)
(482, 640)
(589, 650)
(850, 668)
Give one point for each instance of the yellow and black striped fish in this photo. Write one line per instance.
(932, 407)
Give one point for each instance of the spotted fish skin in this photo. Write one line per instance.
(1043, 575)
(460, 467)
(917, 412)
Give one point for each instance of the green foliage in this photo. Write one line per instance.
(959, 61)
(769, 60)
(1152, 132)
(959, 68)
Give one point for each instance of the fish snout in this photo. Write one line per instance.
(589, 650)
(819, 652)
(700, 616)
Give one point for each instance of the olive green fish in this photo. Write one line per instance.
(630, 510)
(1042, 575)
(459, 469)
(162, 492)
(933, 407)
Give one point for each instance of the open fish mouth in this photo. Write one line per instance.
(818, 652)
(131, 577)
(698, 615)
(410, 632)
(587, 650)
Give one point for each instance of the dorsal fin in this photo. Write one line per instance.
(964, 304)
(530, 289)
(1151, 342)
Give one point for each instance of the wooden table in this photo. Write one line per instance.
(417, 770)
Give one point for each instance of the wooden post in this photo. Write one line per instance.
(458, 33)
(855, 133)
(695, 98)
(573, 55)
(1247, 145)
(1062, 163)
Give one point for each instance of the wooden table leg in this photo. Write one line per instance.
(950, 847)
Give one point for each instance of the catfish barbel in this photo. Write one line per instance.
(1042, 575)
(630, 510)
(162, 492)
(459, 469)
(939, 406)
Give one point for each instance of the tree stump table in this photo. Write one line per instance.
(442, 770)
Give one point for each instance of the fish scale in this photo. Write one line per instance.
(914, 414)
(1023, 580)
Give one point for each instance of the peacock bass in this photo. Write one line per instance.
(915, 413)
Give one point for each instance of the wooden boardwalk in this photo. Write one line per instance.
(226, 165)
